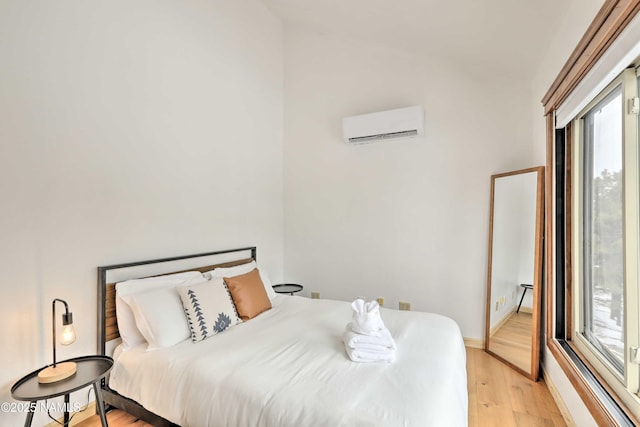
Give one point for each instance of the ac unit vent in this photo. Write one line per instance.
(398, 123)
(371, 138)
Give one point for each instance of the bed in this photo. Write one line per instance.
(287, 367)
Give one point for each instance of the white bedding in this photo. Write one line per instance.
(288, 367)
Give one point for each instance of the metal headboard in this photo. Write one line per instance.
(106, 290)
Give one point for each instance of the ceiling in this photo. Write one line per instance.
(507, 35)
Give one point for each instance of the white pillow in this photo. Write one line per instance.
(209, 308)
(129, 332)
(264, 276)
(232, 271)
(154, 313)
(242, 269)
(160, 316)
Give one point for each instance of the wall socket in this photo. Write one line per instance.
(380, 301)
(404, 306)
(315, 295)
(497, 305)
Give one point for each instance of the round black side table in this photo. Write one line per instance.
(90, 370)
(287, 288)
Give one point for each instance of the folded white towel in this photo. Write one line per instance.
(355, 340)
(367, 356)
(373, 348)
(366, 318)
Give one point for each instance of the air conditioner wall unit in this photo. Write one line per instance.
(398, 123)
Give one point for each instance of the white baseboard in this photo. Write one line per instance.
(502, 321)
(558, 399)
(473, 343)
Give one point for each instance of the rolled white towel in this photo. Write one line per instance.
(367, 356)
(366, 318)
(355, 340)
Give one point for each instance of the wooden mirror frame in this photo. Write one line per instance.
(537, 273)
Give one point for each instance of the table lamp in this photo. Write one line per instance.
(60, 371)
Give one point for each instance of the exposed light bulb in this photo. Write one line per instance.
(67, 335)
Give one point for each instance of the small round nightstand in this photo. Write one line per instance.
(287, 288)
(90, 370)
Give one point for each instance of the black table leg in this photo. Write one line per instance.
(32, 410)
(523, 292)
(66, 410)
(100, 403)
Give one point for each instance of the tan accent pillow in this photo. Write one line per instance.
(248, 294)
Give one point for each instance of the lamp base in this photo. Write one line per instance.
(59, 372)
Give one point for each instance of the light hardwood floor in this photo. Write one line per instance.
(512, 341)
(115, 418)
(498, 396)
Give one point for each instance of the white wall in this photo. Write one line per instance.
(575, 23)
(133, 130)
(407, 219)
(128, 130)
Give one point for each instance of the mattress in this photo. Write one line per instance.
(288, 367)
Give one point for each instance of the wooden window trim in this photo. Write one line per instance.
(609, 22)
(589, 385)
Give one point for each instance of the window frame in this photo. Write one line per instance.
(608, 24)
(601, 400)
(624, 385)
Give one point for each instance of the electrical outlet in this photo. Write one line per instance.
(380, 301)
(315, 295)
(404, 306)
(497, 305)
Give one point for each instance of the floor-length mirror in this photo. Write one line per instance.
(515, 269)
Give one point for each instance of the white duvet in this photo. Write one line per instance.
(288, 367)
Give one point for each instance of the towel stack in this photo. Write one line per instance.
(366, 338)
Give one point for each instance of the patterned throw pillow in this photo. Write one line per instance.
(209, 308)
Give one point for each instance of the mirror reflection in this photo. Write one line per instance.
(514, 270)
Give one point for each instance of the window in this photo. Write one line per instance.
(605, 237)
(602, 229)
(610, 42)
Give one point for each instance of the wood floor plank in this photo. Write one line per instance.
(525, 395)
(518, 400)
(512, 341)
(115, 418)
(550, 405)
(526, 420)
(472, 387)
(494, 405)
